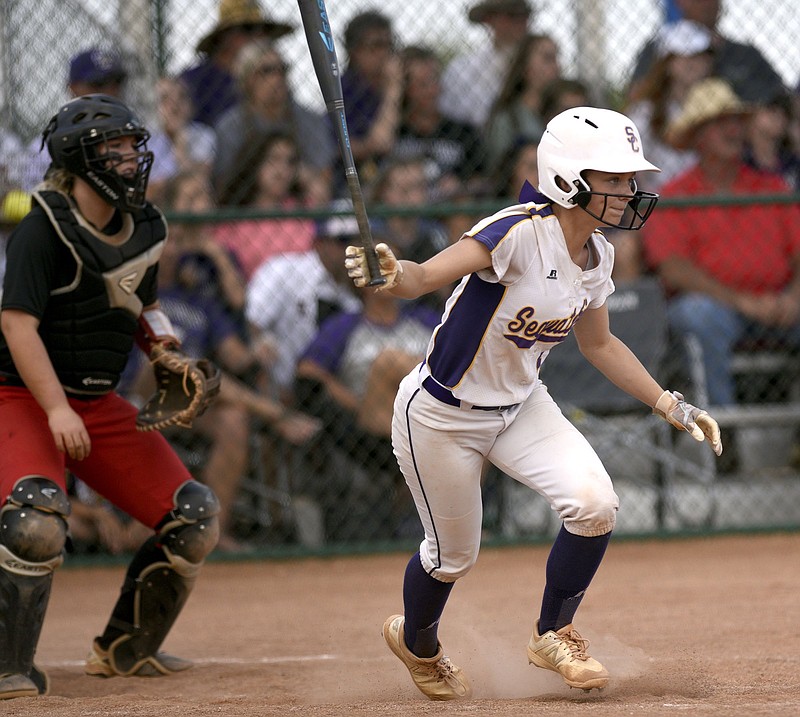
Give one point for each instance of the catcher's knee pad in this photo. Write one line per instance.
(162, 586)
(191, 529)
(33, 530)
(33, 525)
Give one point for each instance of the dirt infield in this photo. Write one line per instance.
(686, 627)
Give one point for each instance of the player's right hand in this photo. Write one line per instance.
(355, 261)
(672, 407)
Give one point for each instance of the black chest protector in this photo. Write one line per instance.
(89, 324)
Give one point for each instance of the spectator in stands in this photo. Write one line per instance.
(561, 94)
(290, 295)
(210, 81)
(97, 526)
(519, 164)
(205, 266)
(12, 162)
(269, 180)
(178, 142)
(453, 150)
(732, 270)
(360, 357)
(684, 56)
(744, 67)
(267, 105)
(517, 114)
(206, 329)
(770, 142)
(403, 183)
(98, 70)
(472, 80)
(794, 124)
(95, 70)
(372, 86)
(352, 369)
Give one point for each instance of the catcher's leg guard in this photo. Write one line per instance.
(156, 587)
(33, 530)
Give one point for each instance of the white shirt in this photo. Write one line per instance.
(471, 84)
(283, 301)
(500, 323)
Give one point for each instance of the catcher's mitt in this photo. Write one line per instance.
(185, 387)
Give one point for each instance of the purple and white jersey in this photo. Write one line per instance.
(500, 323)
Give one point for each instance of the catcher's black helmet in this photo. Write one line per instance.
(75, 138)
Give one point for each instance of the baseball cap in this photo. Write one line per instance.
(480, 11)
(97, 66)
(342, 227)
(684, 38)
(338, 225)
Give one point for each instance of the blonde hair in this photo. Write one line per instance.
(58, 180)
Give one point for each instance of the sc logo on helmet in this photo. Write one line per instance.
(632, 138)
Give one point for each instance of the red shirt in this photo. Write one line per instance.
(253, 241)
(747, 247)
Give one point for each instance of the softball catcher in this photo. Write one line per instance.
(79, 290)
(529, 275)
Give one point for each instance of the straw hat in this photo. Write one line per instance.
(241, 13)
(479, 12)
(707, 100)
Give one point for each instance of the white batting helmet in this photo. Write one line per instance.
(585, 138)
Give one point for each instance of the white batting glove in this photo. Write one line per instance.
(355, 261)
(686, 417)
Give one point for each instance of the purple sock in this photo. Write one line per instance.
(572, 563)
(424, 599)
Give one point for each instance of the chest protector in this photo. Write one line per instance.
(89, 324)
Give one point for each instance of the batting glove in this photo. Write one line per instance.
(686, 417)
(355, 261)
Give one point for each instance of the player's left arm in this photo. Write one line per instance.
(613, 358)
(619, 365)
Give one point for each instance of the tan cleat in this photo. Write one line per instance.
(436, 677)
(98, 664)
(565, 652)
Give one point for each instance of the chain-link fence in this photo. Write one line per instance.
(446, 103)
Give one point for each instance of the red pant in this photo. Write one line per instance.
(137, 472)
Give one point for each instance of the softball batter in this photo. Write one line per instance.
(529, 275)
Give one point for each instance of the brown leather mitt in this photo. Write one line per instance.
(185, 387)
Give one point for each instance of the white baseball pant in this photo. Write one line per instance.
(441, 450)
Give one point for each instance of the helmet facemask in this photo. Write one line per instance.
(125, 191)
(640, 206)
(78, 138)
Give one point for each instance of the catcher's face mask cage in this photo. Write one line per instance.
(585, 138)
(78, 140)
